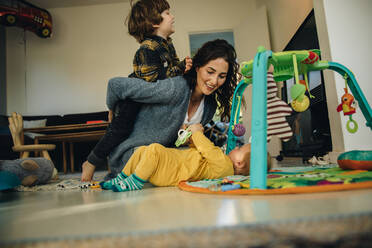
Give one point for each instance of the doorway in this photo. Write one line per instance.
(311, 128)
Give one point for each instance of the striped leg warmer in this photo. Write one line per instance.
(110, 183)
(130, 183)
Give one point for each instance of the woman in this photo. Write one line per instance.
(170, 103)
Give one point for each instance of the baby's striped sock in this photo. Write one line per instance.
(130, 183)
(110, 183)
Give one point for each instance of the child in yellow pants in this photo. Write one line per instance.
(163, 166)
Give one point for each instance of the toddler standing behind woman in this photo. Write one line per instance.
(151, 24)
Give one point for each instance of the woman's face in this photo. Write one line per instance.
(211, 76)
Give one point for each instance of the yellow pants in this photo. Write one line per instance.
(162, 166)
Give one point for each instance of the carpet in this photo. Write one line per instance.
(66, 182)
(291, 180)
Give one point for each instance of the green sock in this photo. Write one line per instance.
(128, 184)
(110, 183)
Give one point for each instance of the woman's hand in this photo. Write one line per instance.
(188, 64)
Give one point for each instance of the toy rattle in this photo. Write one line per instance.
(300, 101)
(347, 106)
(83, 186)
(183, 135)
(238, 130)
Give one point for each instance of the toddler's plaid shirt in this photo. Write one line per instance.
(157, 59)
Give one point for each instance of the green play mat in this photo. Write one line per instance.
(290, 180)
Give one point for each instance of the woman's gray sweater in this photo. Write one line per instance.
(165, 103)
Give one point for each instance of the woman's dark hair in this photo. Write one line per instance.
(143, 15)
(212, 50)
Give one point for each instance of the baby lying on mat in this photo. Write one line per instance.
(163, 166)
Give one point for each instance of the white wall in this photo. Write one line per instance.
(285, 17)
(346, 40)
(247, 20)
(68, 73)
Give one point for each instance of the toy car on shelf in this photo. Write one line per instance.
(26, 15)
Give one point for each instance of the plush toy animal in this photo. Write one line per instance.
(277, 110)
(30, 171)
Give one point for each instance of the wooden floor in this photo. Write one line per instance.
(27, 217)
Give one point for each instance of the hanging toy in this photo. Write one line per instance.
(306, 84)
(238, 130)
(347, 106)
(347, 103)
(300, 101)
